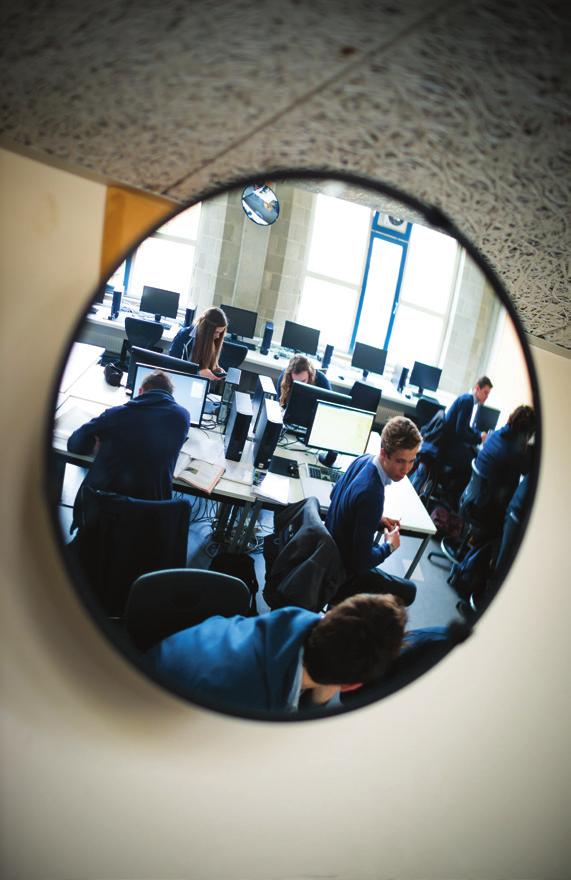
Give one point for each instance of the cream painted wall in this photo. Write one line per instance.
(464, 774)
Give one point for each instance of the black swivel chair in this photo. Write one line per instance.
(424, 411)
(232, 354)
(121, 538)
(143, 334)
(164, 602)
(365, 396)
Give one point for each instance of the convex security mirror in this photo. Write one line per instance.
(260, 204)
(364, 326)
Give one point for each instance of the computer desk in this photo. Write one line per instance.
(240, 502)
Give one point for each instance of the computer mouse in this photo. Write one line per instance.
(292, 469)
(342, 378)
(276, 357)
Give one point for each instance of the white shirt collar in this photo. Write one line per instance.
(385, 479)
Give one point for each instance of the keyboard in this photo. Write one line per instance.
(324, 473)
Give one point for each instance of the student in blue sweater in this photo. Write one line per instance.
(284, 660)
(357, 501)
(299, 369)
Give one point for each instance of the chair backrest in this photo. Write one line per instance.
(425, 410)
(144, 334)
(232, 354)
(123, 538)
(365, 396)
(165, 602)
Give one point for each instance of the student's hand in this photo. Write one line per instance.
(393, 538)
(208, 374)
(388, 522)
(484, 436)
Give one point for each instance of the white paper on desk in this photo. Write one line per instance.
(238, 472)
(274, 487)
(71, 419)
(206, 447)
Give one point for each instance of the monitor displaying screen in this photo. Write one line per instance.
(241, 322)
(425, 377)
(159, 361)
(159, 302)
(339, 428)
(486, 418)
(300, 338)
(301, 403)
(368, 358)
(189, 391)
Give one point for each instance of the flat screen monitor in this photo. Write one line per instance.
(189, 391)
(301, 403)
(369, 359)
(159, 302)
(159, 361)
(241, 322)
(300, 338)
(339, 428)
(425, 377)
(486, 418)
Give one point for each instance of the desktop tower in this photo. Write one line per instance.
(402, 379)
(115, 305)
(265, 388)
(268, 432)
(327, 355)
(237, 426)
(231, 383)
(267, 339)
(189, 316)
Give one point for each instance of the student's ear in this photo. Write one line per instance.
(344, 688)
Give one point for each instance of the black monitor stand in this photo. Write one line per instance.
(233, 337)
(365, 374)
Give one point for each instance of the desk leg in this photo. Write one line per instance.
(237, 542)
(56, 478)
(243, 541)
(418, 555)
(224, 511)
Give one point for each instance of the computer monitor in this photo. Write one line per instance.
(339, 428)
(189, 391)
(369, 359)
(486, 418)
(425, 377)
(301, 403)
(300, 338)
(241, 322)
(159, 302)
(159, 361)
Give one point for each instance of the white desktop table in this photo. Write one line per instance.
(90, 394)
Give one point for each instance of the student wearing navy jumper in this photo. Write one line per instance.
(202, 342)
(136, 445)
(356, 508)
(284, 660)
(299, 369)
(459, 438)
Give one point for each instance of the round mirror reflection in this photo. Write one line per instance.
(260, 204)
(288, 473)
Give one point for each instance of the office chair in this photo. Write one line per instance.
(365, 396)
(121, 538)
(164, 602)
(424, 411)
(232, 354)
(143, 334)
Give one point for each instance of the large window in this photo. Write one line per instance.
(165, 259)
(382, 285)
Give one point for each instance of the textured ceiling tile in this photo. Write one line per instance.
(472, 114)
(144, 92)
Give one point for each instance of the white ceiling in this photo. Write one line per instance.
(463, 104)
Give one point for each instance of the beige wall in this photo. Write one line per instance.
(464, 774)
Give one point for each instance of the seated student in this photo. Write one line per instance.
(270, 662)
(512, 521)
(501, 461)
(459, 440)
(136, 445)
(202, 342)
(357, 501)
(299, 369)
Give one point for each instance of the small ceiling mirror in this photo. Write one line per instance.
(260, 204)
(187, 552)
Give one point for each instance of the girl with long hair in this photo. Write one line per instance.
(202, 342)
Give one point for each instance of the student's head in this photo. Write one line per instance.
(156, 381)
(482, 389)
(211, 328)
(299, 369)
(400, 442)
(522, 420)
(355, 641)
